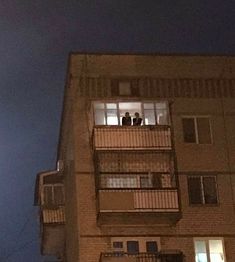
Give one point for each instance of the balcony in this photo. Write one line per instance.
(53, 215)
(132, 137)
(125, 257)
(138, 206)
(162, 256)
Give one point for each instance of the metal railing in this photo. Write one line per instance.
(132, 137)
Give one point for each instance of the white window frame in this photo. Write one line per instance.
(206, 239)
(194, 117)
(141, 108)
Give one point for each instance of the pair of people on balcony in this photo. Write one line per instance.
(126, 120)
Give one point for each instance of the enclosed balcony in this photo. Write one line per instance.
(138, 198)
(152, 137)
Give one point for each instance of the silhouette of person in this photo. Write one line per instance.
(137, 120)
(126, 120)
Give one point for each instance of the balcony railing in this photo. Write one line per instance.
(138, 200)
(53, 215)
(125, 257)
(133, 137)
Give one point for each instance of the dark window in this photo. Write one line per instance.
(189, 130)
(203, 130)
(202, 190)
(151, 247)
(196, 130)
(53, 195)
(117, 244)
(132, 247)
(124, 87)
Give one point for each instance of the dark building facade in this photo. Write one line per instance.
(156, 188)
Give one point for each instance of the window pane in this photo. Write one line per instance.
(216, 250)
(58, 195)
(203, 128)
(130, 107)
(112, 118)
(132, 247)
(162, 116)
(48, 196)
(111, 106)
(122, 182)
(145, 182)
(98, 105)
(149, 117)
(99, 117)
(148, 106)
(200, 250)
(117, 244)
(194, 188)
(161, 105)
(209, 186)
(189, 130)
(151, 247)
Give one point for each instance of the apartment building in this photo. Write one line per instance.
(156, 189)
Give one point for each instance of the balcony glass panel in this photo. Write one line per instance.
(152, 113)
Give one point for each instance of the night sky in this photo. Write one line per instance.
(36, 37)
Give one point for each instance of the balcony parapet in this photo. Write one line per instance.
(138, 206)
(126, 257)
(132, 137)
(53, 215)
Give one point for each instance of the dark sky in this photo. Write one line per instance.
(35, 39)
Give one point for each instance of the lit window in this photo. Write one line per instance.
(202, 190)
(53, 194)
(162, 113)
(121, 182)
(111, 110)
(209, 250)
(197, 130)
(149, 114)
(99, 111)
(112, 113)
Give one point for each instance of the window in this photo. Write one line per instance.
(151, 247)
(53, 194)
(209, 250)
(124, 87)
(202, 190)
(132, 247)
(117, 244)
(196, 130)
(152, 113)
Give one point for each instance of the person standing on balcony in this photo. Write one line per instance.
(137, 120)
(126, 120)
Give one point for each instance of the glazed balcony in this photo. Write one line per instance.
(125, 257)
(137, 199)
(132, 137)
